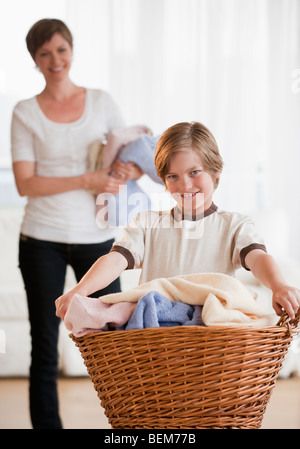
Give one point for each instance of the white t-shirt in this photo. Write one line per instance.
(61, 150)
(164, 245)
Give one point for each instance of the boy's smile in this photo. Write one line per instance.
(189, 184)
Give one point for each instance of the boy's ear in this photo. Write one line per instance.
(217, 178)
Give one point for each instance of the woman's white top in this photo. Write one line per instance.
(61, 150)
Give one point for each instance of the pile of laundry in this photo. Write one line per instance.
(204, 299)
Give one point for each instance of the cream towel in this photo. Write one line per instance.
(225, 300)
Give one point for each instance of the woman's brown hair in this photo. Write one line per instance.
(43, 30)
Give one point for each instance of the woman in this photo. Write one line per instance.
(51, 136)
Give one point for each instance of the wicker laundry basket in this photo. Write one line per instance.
(186, 377)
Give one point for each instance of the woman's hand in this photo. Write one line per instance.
(29, 184)
(101, 181)
(286, 298)
(126, 171)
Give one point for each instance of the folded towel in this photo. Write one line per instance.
(141, 152)
(131, 145)
(121, 208)
(133, 199)
(155, 310)
(225, 300)
(116, 140)
(86, 315)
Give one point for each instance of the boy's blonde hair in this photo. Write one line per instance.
(186, 136)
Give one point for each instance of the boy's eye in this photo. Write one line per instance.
(195, 172)
(171, 176)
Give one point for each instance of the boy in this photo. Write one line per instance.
(195, 236)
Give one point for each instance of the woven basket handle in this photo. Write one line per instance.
(286, 321)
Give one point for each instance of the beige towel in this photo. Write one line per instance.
(103, 153)
(225, 300)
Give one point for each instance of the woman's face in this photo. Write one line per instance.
(54, 58)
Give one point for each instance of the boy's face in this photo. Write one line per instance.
(191, 187)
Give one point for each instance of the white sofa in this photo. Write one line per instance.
(14, 325)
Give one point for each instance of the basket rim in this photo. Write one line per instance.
(285, 327)
(282, 331)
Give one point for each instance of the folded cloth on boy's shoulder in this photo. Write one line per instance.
(225, 300)
(155, 310)
(86, 315)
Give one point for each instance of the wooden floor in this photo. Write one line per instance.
(80, 406)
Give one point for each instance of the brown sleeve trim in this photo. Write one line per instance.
(126, 253)
(247, 249)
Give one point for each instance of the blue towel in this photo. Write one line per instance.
(155, 310)
(141, 152)
(130, 201)
(134, 199)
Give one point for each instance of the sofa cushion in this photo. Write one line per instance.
(10, 224)
(13, 303)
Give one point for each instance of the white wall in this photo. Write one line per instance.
(234, 65)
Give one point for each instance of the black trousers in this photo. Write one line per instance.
(43, 266)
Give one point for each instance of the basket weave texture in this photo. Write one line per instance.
(186, 377)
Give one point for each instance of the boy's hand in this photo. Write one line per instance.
(287, 298)
(104, 271)
(265, 269)
(62, 303)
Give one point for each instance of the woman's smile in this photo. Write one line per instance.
(57, 69)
